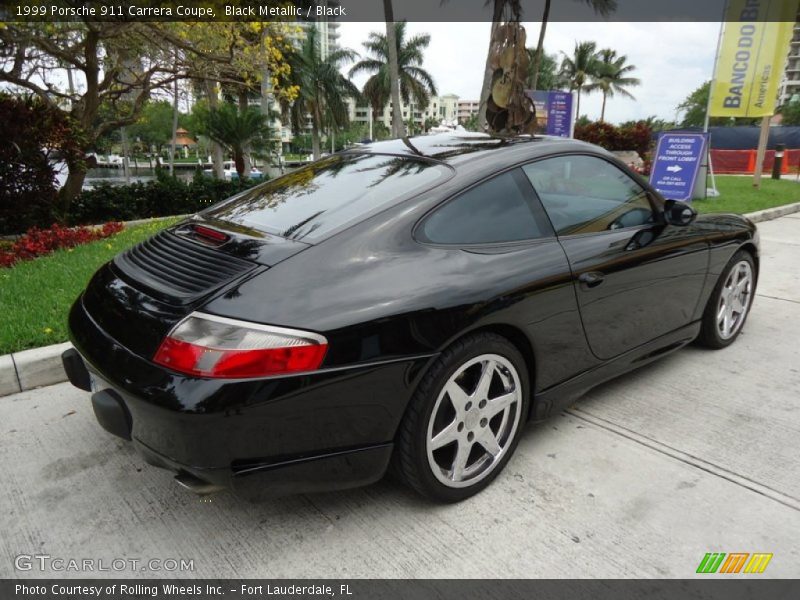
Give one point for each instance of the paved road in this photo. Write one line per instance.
(641, 478)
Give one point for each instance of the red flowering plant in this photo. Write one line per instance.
(39, 242)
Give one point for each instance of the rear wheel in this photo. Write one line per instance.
(465, 419)
(730, 302)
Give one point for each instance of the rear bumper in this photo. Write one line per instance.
(324, 431)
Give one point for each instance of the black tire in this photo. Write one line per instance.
(710, 335)
(411, 453)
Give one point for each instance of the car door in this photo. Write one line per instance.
(635, 277)
(497, 244)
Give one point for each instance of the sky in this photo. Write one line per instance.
(672, 59)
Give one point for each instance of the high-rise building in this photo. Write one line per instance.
(791, 76)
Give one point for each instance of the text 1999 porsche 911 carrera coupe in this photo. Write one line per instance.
(408, 304)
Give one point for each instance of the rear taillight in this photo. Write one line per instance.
(219, 347)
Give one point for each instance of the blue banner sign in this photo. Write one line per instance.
(553, 112)
(676, 164)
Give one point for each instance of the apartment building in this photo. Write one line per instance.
(467, 109)
(790, 87)
(442, 109)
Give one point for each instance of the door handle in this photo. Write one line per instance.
(592, 278)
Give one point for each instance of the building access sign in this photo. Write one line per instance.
(677, 162)
(553, 112)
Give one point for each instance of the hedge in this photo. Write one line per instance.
(162, 197)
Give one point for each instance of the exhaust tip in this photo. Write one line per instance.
(197, 485)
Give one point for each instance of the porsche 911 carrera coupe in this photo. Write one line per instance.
(407, 305)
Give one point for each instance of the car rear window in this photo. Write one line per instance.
(315, 201)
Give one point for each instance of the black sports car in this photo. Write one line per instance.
(412, 302)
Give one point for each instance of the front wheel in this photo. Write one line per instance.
(730, 302)
(464, 420)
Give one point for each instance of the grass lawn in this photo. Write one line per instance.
(35, 296)
(737, 194)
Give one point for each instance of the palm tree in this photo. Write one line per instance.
(580, 69)
(602, 8)
(613, 77)
(394, 67)
(323, 89)
(415, 83)
(548, 76)
(237, 130)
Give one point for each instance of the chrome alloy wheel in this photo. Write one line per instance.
(474, 421)
(734, 300)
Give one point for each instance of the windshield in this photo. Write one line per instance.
(317, 200)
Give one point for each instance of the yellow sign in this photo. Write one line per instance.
(752, 55)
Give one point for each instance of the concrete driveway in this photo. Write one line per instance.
(697, 453)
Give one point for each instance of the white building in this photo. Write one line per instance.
(441, 109)
(467, 108)
(791, 76)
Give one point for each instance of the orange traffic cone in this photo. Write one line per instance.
(751, 162)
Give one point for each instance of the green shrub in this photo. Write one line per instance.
(636, 136)
(160, 198)
(34, 135)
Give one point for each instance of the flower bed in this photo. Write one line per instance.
(40, 242)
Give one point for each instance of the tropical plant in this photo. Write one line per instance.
(415, 83)
(580, 69)
(548, 75)
(613, 76)
(601, 8)
(238, 130)
(154, 126)
(35, 135)
(471, 123)
(694, 109)
(430, 123)
(323, 89)
(790, 113)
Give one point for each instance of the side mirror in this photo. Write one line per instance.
(679, 213)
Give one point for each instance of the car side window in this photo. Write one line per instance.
(586, 194)
(495, 211)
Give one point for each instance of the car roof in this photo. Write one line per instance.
(459, 147)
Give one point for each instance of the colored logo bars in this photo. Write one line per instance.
(737, 562)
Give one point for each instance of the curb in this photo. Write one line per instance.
(773, 213)
(29, 369)
(39, 367)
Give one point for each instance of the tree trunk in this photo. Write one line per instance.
(174, 144)
(85, 112)
(246, 164)
(603, 110)
(316, 119)
(216, 149)
(266, 101)
(578, 105)
(537, 61)
(126, 169)
(239, 162)
(71, 189)
(394, 69)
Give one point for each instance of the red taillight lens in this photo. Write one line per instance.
(218, 347)
(210, 234)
